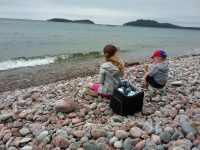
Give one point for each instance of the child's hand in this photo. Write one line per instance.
(146, 67)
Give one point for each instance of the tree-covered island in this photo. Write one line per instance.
(85, 21)
(152, 23)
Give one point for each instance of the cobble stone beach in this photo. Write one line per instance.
(61, 116)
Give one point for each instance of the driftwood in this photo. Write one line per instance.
(128, 64)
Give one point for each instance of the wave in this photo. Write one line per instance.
(44, 60)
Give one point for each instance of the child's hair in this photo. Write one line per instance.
(109, 53)
(163, 58)
(160, 53)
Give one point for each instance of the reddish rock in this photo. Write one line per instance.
(88, 97)
(158, 113)
(103, 120)
(82, 112)
(190, 136)
(65, 105)
(140, 145)
(78, 133)
(184, 142)
(76, 120)
(16, 142)
(29, 117)
(196, 143)
(146, 110)
(48, 146)
(22, 115)
(60, 122)
(17, 124)
(72, 115)
(136, 132)
(7, 137)
(156, 139)
(35, 96)
(184, 101)
(60, 141)
(66, 122)
(97, 133)
(173, 112)
(14, 130)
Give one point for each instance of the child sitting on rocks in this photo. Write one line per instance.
(158, 75)
(110, 73)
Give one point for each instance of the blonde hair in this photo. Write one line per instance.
(109, 53)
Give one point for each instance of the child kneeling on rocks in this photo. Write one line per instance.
(110, 73)
(158, 75)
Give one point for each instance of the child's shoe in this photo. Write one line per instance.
(90, 92)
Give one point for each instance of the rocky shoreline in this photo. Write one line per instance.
(30, 120)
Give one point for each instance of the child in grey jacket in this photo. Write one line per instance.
(158, 75)
(110, 73)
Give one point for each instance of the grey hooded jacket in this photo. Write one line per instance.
(160, 73)
(108, 83)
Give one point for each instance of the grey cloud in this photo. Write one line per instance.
(183, 12)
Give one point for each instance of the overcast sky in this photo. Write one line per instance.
(117, 12)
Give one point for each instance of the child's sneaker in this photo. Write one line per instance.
(90, 92)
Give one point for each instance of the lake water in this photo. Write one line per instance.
(29, 43)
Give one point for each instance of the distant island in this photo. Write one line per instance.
(85, 21)
(152, 23)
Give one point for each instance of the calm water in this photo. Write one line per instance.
(25, 38)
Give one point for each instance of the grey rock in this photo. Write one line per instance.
(158, 129)
(25, 140)
(24, 131)
(93, 106)
(148, 128)
(127, 143)
(36, 128)
(175, 136)
(62, 133)
(42, 136)
(165, 137)
(197, 117)
(102, 140)
(187, 128)
(113, 140)
(61, 115)
(136, 132)
(75, 145)
(177, 83)
(121, 134)
(182, 118)
(6, 116)
(91, 146)
(149, 144)
(2, 106)
(84, 139)
(118, 119)
(159, 147)
(2, 147)
(12, 148)
(169, 130)
(198, 111)
(118, 144)
(27, 148)
(195, 148)
(2, 97)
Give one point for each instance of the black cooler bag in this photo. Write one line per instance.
(127, 105)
